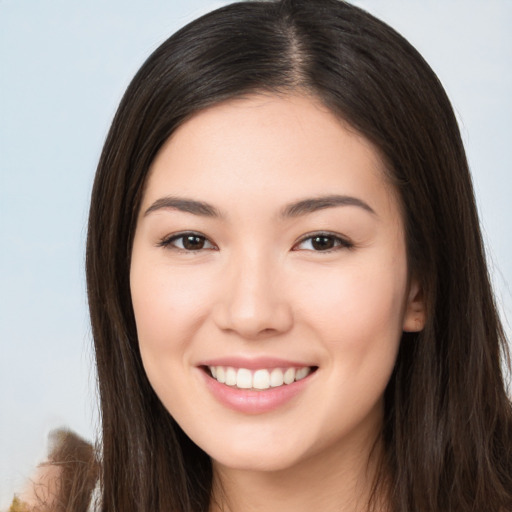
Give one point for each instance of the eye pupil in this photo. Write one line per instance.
(193, 242)
(322, 243)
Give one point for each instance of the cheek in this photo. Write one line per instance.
(168, 304)
(169, 307)
(357, 315)
(358, 309)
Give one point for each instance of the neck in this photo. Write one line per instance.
(330, 482)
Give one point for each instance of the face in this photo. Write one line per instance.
(269, 282)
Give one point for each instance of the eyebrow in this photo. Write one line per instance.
(314, 204)
(296, 209)
(184, 205)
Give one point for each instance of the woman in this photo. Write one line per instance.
(288, 293)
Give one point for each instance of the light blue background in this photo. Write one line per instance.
(63, 68)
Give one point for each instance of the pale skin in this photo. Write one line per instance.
(270, 270)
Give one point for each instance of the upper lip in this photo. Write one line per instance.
(254, 363)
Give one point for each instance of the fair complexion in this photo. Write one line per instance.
(270, 241)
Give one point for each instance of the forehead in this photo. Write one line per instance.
(269, 149)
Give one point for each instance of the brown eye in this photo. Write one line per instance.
(187, 242)
(193, 242)
(323, 242)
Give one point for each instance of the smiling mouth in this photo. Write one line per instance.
(260, 379)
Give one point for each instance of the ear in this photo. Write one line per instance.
(415, 314)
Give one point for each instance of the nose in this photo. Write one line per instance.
(252, 301)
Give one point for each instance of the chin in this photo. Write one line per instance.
(257, 461)
(246, 451)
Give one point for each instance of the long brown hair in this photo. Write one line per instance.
(447, 432)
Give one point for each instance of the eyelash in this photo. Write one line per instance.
(168, 242)
(338, 241)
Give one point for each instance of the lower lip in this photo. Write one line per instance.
(249, 401)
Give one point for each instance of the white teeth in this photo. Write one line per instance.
(302, 372)
(276, 378)
(258, 379)
(231, 376)
(244, 379)
(261, 379)
(221, 374)
(289, 375)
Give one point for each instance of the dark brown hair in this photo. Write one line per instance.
(447, 432)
